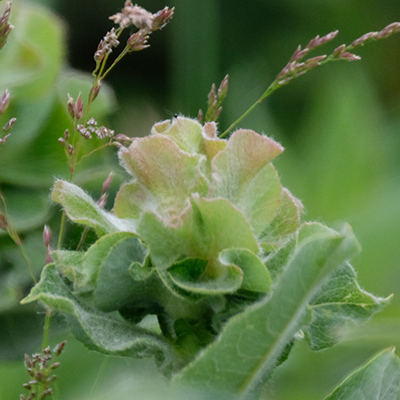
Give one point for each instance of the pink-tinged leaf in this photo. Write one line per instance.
(131, 199)
(167, 172)
(190, 136)
(185, 132)
(243, 174)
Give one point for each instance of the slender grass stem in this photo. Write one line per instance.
(100, 374)
(271, 88)
(28, 263)
(46, 328)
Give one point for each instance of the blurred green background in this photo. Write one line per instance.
(340, 125)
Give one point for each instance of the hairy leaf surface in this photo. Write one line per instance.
(252, 343)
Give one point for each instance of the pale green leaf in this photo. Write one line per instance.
(70, 264)
(185, 132)
(190, 136)
(340, 302)
(255, 274)
(207, 227)
(94, 257)
(189, 275)
(252, 343)
(285, 222)
(242, 173)
(115, 286)
(131, 199)
(167, 172)
(378, 379)
(104, 332)
(82, 209)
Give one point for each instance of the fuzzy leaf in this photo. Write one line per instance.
(82, 209)
(97, 330)
(70, 264)
(190, 136)
(167, 172)
(207, 227)
(255, 274)
(242, 173)
(340, 302)
(378, 379)
(94, 257)
(130, 200)
(285, 222)
(115, 286)
(253, 342)
(187, 274)
(185, 132)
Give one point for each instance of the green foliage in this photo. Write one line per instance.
(378, 379)
(195, 232)
(203, 241)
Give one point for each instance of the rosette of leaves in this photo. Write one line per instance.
(206, 239)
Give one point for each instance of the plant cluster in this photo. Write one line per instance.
(203, 241)
(40, 368)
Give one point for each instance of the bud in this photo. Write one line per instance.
(58, 350)
(78, 108)
(140, 17)
(94, 91)
(200, 116)
(138, 41)
(70, 149)
(162, 17)
(212, 96)
(66, 134)
(102, 201)
(299, 54)
(70, 105)
(4, 138)
(339, 50)
(62, 141)
(223, 89)
(39, 376)
(47, 242)
(3, 222)
(361, 40)
(7, 127)
(349, 56)
(4, 101)
(388, 30)
(52, 378)
(107, 183)
(5, 26)
(55, 365)
(47, 392)
(313, 62)
(28, 361)
(216, 113)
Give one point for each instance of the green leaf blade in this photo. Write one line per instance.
(252, 343)
(82, 209)
(99, 331)
(378, 379)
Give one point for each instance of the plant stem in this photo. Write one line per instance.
(28, 263)
(271, 88)
(46, 328)
(100, 374)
